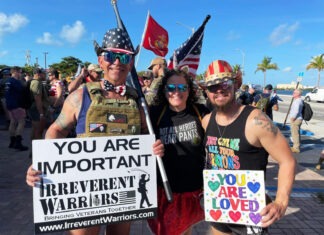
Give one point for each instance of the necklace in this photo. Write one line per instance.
(229, 121)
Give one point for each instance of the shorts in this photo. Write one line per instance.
(179, 215)
(17, 114)
(239, 229)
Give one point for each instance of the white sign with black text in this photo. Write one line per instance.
(93, 181)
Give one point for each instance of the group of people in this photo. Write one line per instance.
(183, 129)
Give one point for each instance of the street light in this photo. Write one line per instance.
(186, 26)
(243, 55)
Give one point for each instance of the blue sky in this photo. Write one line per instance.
(291, 32)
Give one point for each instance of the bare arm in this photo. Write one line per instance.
(261, 131)
(77, 81)
(67, 118)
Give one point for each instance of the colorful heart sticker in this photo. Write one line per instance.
(213, 185)
(235, 216)
(215, 214)
(254, 187)
(255, 217)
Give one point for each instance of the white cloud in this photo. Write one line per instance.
(283, 34)
(287, 69)
(48, 39)
(73, 34)
(11, 23)
(232, 35)
(3, 53)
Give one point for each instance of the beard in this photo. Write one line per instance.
(223, 103)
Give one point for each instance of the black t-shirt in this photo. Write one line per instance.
(182, 136)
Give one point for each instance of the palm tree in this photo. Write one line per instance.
(317, 62)
(264, 66)
(236, 68)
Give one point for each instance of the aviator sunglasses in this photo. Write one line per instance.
(178, 87)
(110, 57)
(221, 86)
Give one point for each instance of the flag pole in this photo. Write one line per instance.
(164, 177)
(143, 36)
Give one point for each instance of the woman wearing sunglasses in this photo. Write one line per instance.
(176, 120)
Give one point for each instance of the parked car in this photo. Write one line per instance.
(315, 95)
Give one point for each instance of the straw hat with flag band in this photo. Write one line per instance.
(116, 40)
(220, 71)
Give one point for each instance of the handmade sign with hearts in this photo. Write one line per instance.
(234, 196)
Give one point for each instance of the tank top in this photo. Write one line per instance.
(232, 151)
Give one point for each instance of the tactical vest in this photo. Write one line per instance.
(111, 117)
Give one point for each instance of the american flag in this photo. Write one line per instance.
(188, 54)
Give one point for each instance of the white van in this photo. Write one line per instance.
(316, 95)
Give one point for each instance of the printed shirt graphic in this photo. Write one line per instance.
(221, 153)
(182, 136)
(232, 151)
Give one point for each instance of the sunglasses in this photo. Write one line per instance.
(146, 78)
(221, 86)
(111, 57)
(176, 87)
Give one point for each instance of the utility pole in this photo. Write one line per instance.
(45, 54)
(243, 55)
(28, 57)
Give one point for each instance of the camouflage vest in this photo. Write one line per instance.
(111, 117)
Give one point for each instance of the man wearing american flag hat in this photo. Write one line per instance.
(116, 59)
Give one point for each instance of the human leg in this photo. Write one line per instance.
(320, 161)
(295, 132)
(85, 231)
(119, 228)
(215, 231)
(12, 130)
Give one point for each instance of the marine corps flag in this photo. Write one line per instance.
(156, 38)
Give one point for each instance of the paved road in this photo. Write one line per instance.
(304, 215)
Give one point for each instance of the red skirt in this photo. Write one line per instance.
(176, 217)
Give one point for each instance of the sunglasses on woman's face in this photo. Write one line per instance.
(221, 86)
(110, 57)
(146, 78)
(176, 87)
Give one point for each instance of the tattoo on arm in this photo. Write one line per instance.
(263, 121)
(61, 122)
(75, 100)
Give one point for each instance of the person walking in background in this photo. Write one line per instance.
(147, 81)
(176, 119)
(39, 109)
(94, 102)
(91, 74)
(158, 67)
(296, 119)
(256, 137)
(56, 93)
(265, 102)
(242, 94)
(13, 94)
(4, 75)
